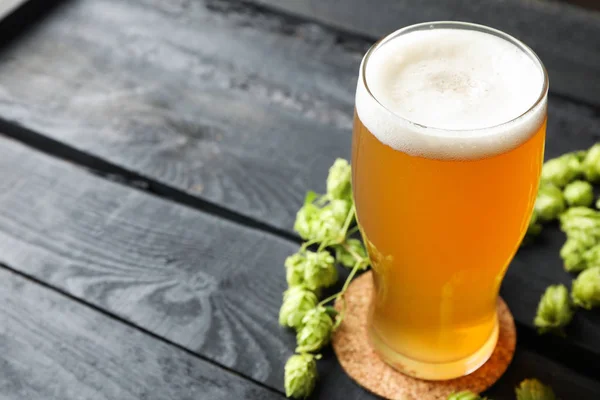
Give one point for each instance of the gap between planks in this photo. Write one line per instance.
(115, 173)
(133, 325)
(546, 346)
(106, 170)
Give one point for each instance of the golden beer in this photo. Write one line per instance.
(444, 198)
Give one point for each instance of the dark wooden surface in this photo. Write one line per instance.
(179, 140)
(197, 281)
(564, 36)
(52, 347)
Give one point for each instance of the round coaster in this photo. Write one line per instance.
(361, 363)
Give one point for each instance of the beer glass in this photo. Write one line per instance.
(448, 145)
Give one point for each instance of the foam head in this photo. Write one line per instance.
(451, 93)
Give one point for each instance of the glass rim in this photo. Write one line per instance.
(464, 26)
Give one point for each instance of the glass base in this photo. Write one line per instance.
(435, 371)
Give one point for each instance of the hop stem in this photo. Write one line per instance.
(341, 293)
(347, 223)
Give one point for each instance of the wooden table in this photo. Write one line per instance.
(152, 157)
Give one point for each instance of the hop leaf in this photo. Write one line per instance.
(297, 300)
(319, 270)
(586, 288)
(339, 180)
(579, 193)
(532, 389)
(351, 252)
(554, 310)
(562, 170)
(465, 395)
(591, 164)
(549, 202)
(300, 375)
(316, 330)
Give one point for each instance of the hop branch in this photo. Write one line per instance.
(326, 222)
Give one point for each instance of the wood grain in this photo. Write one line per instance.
(220, 101)
(200, 281)
(51, 347)
(566, 37)
(196, 280)
(214, 99)
(243, 109)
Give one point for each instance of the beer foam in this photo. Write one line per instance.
(451, 93)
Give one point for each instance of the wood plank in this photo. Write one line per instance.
(184, 96)
(566, 37)
(199, 281)
(53, 348)
(200, 110)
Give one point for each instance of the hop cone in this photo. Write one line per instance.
(297, 300)
(300, 376)
(315, 332)
(532, 389)
(554, 310)
(586, 288)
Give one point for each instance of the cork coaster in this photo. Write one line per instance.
(361, 363)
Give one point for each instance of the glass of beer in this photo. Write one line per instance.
(448, 145)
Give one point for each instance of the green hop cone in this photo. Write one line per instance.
(307, 216)
(321, 224)
(319, 270)
(575, 251)
(591, 164)
(339, 209)
(339, 180)
(562, 170)
(532, 389)
(315, 333)
(328, 228)
(300, 375)
(586, 288)
(554, 310)
(297, 301)
(581, 154)
(549, 203)
(465, 395)
(582, 223)
(294, 268)
(579, 214)
(579, 193)
(350, 252)
(592, 256)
